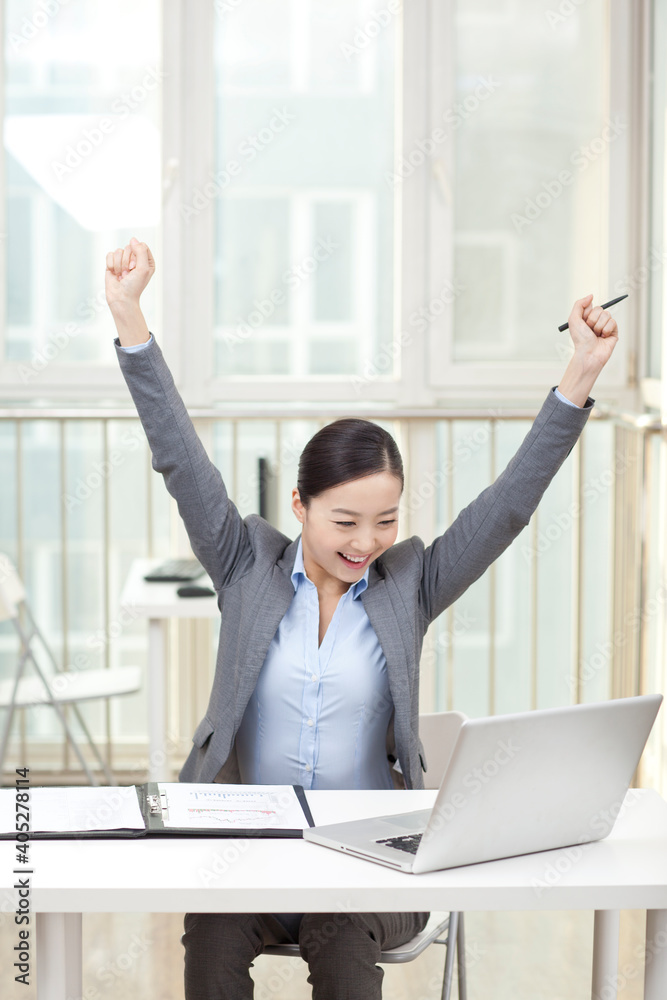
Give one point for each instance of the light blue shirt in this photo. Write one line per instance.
(318, 717)
(137, 347)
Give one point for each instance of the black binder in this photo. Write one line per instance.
(154, 806)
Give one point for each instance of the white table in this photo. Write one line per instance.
(158, 602)
(628, 870)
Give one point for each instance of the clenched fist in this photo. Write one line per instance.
(593, 331)
(128, 272)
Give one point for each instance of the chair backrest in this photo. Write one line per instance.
(12, 591)
(438, 732)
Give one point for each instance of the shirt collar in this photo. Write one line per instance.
(299, 572)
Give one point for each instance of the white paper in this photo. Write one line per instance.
(74, 809)
(232, 807)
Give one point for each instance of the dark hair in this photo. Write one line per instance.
(344, 450)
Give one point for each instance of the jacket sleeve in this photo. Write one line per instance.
(487, 526)
(218, 534)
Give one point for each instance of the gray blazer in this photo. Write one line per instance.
(250, 563)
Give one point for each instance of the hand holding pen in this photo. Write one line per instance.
(594, 336)
(593, 331)
(605, 305)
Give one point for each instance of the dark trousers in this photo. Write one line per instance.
(341, 950)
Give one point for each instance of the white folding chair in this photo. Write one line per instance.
(59, 687)
(438, 732)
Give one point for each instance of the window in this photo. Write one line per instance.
(367, 205)
(82, 156)
(306, 119)
(654, 266)
(358, 202)
(526, 139)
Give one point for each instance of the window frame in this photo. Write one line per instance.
(425, 373)
(470, 380)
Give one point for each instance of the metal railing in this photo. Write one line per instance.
(449, 455)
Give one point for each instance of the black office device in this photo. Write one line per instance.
(175, 571)
(190, 590)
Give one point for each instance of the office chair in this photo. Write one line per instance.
(438, 732)
(58, 688)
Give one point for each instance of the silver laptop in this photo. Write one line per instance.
(513, 784)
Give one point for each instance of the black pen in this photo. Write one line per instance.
(606, 305)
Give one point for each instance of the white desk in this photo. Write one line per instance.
(626, 871)
(158, 602)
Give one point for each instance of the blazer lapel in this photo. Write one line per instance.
(387, 625)
(275, 600)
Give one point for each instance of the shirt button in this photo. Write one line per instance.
(310, 722)
(308, 767)
(313, 677)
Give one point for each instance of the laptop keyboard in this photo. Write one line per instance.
(408, 843)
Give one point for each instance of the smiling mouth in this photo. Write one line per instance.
(353, 563)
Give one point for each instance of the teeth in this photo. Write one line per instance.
(355, 558)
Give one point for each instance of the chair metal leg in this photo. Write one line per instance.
(452, 937)
(461, 959)
(11, 707)
(93, 745)
(37, 632)
(75, 745)
(28, 655)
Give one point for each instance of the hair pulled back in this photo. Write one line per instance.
(346, 449)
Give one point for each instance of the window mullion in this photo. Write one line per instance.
(3, 196)
(194, 226)
(414, 214)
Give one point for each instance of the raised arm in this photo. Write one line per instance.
(487, 526)
(216, 530)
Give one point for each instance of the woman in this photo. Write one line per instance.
(317, 675)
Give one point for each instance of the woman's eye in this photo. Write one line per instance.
(346, 524)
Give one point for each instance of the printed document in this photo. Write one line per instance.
(230, 807)
(65, 810)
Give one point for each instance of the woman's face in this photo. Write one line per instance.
(358, 519)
